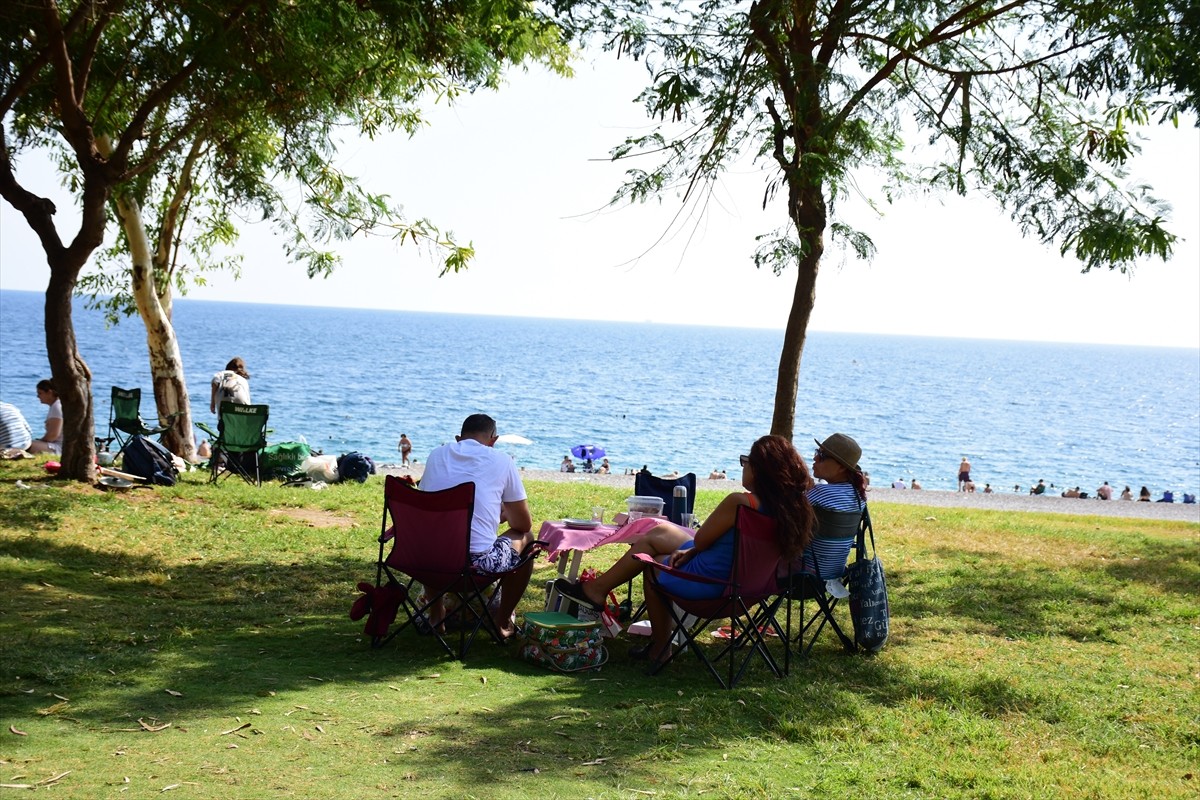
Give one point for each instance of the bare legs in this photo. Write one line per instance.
(512, 587)
(658, 541)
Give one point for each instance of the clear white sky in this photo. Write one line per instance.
(524, 175)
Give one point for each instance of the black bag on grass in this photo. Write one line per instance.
(868, 593)
(148, 459)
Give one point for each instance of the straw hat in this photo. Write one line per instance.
(842, 449)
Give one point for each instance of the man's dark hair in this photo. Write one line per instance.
(47, 386)
(478, 423)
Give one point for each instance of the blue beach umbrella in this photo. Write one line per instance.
(587, 451)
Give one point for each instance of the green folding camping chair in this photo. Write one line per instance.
(125, 419)
(238, 442)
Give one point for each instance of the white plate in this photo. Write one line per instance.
(581, 524)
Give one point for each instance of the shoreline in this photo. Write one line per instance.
(936, 498)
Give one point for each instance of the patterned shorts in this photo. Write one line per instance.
(501, 558)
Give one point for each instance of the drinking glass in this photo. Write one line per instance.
(598, 514)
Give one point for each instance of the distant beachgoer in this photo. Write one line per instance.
(604, 468)
(51, 440)
(1104, 492)
(1144, 495)
(15, 433)
(1127, 494)
(715, 475)
(1071, 492)
(964, 474)
(1040, 488)
(204, 450)
(1017, 488)
(866, 481)
(1168, 497)
(589, 465)
(405, 449)
(567, 465)
(915, 485)
(899, 484)
(970, 487)
(230, 385)
(987, 488)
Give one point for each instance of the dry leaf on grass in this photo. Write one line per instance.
(235, 730)
(13, 729)
(153, 728)
(173, 693)
(54, 709)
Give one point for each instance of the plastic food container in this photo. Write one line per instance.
(647, 506)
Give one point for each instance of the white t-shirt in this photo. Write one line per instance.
(496, 481)
(231, 387)
(55, 412)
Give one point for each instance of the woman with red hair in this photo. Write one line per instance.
(776, 481)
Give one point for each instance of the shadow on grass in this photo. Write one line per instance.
(119, 631)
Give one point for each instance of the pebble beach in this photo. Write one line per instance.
(997, 501)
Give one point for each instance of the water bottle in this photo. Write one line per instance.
(678, 504)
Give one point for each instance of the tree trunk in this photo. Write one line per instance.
(808, 213)
(71, 376)
(166, 363)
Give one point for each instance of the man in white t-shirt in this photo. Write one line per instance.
(499, 497)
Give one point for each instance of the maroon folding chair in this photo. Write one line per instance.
(756, 558)
(430, 534)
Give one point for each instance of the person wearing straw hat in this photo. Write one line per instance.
(836, 463)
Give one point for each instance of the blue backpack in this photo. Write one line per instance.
(148, 459)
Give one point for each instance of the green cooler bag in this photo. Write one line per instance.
(562, 642)
(282, 460)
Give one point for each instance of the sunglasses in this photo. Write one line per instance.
(820, 455)
(743, 460)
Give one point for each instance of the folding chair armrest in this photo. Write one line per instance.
(535, 547)
(204, 427)
(678, 573)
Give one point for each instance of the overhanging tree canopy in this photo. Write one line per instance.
(139, 93)
(1029, 102)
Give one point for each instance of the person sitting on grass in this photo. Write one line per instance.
(776, 480)
(51, 441)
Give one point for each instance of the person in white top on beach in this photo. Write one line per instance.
(231, 384)
(51, 440)
(499, 497)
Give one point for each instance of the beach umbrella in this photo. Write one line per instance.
(512, 438)
(587, 451)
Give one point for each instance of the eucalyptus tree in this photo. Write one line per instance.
(1029, 102)
(190, 109)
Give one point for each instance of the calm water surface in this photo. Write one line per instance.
(671, 397)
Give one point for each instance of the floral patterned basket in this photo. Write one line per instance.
(561, 642)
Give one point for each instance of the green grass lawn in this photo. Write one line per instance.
(195, 640)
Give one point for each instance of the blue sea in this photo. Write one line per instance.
(671, 397)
